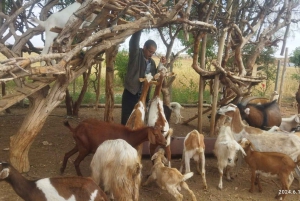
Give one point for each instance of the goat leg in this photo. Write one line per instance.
(203, 169)
(78, 160)
(186, 187)
(257, 180)
(168, 154)
(253, 178)
(221, 176)
(67, 156)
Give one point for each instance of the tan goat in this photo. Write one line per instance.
(269, 164)
(169, 179)
(137, 117)
(194, 147)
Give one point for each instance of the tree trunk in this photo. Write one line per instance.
(41, 106)
(77, 103)
(98, 84)
(69, 103)
(110, 55)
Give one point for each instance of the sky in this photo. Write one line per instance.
(292, 42)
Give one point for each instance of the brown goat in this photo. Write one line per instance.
(269, 164)
(90, 133)
(262, 116)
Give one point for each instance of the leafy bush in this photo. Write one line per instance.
(121, 64)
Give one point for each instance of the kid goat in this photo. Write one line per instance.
(269, 164)
(290, 123)
(194, 147)
(116, 166)
(225, 150)
(176, 107)
(90, 133)
(167, 178)
(49, 189)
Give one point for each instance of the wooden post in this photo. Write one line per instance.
(99, 65)
(214, 105)
(201, 83)
(282, 77)
(277, 75)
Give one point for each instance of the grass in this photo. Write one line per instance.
(184, 88)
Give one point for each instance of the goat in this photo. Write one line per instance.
(194, 147)
(49, 189)
(290, 123)
(261, 115)
(262, 140)
(169, 179)
(269, 164)
(137, 116)
(225, 150)
(90, 133)
(176, 107)
(58, 19)
(116, 166)
(156, 117)
(274, 96)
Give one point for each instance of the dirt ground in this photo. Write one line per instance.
(54, 140)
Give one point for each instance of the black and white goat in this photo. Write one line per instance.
(49, 189)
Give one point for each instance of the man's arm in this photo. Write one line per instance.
(134, 42)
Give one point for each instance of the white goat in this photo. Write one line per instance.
(226, 149)
(169, 179)
(58, 19)
(194, 147)
(290, 123)
(116, 167)
(49, 189)
(176, 107)
(274, 96)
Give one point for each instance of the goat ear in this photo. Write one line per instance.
(4, 173)
(297, 118)
(165, 161)
(151, 136)
(247, 111)
(243, 151)
(154, 157)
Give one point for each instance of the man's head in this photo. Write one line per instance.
(149, 48)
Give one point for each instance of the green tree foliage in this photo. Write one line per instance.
(121, 64)
(295, 58)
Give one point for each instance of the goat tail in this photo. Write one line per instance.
(37, 21)
(187, 176)
(66, 123)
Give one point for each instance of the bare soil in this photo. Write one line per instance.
(54, 140)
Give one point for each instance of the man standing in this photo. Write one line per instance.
(140, 63)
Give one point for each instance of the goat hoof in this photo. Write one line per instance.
(250, 190)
